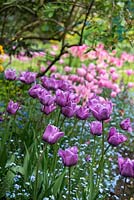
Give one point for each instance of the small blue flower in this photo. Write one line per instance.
(17, 187)
(32, 178)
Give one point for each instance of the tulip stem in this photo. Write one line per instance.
(83, 127)
(102, 147)
(107, 149)
(103, 150)
(58, 118)
(7, 91)
(69, 183)
(62, 121)
(55, 157)
(41, 120)
(73, 128)
(94, 148)
(91, 180)
(100, 172)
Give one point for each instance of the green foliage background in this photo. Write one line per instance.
(25, 23)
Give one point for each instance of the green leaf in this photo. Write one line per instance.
(96, 195)
(28, 9)
(26, 162)
(6, 183)
(58, 182)
(3, 157)
(11, 160)
(50, 14)
(9, 3)
(18, 169)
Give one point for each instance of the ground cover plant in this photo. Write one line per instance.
(67, 134)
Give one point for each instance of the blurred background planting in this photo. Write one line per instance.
(72, 22)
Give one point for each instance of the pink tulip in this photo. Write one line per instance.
(129, 72)
(115, 76)
(81, 71)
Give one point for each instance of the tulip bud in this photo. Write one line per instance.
(126, 167)
(12, 107)
(69, 156)
(115, 138)
(10, 74)
(126, 124)
(52, 134)
(96, 128)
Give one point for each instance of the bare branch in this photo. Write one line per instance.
(32, 37)
(86, 17)
(62, 51)
(53, 62)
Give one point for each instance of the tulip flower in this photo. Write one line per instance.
(52, 134)
(82, 113)
(67, 69)
(96, 128)
(35, 90)
(115, 138)
(81, 71)
(100, 108)
(12, 107)
(74, 78)
(27, 77)
(130, 85)
(49, 83)
(126, 167)
(48, 109)
(129, 72)
(46, 98)
(64, 85)
(63, 98)
(69, 156)
(69, 110)
(10, 74)
(126, 124)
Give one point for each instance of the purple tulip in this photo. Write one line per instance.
(42, 92)
(52, 134)
(12, 107)
(96, 128)
(10, 74)
(65, 85)
(126, 167)
(82, 113)
(100, 108)
(69, 156)
(48, 109)
(35, 90)
(63, 98)
(115, 138)
(126, 124)
(49, 83)
(27, 77)
(69, 110)
(46, 98)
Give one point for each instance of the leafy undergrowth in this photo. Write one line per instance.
(31, 167)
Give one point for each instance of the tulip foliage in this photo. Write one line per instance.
(63, 135)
